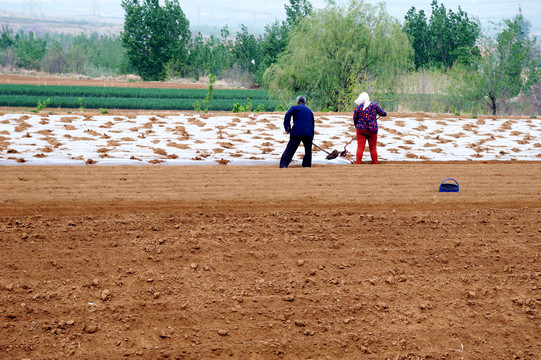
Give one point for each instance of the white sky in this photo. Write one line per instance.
(256, 14)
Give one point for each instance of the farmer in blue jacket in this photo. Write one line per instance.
(302, 131)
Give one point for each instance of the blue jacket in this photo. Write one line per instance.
(303, 121)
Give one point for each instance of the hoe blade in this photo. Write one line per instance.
(332, 155)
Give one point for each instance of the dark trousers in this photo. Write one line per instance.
(292, 145)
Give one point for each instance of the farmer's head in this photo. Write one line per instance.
(363, 98)
(301, 99)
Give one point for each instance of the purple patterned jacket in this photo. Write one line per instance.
(365, 119)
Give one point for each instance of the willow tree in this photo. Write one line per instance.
(338, 48)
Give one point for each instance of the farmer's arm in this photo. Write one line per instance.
(287, 120)
(380, 112)
(356, 115)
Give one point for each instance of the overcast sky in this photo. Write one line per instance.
(256, 14)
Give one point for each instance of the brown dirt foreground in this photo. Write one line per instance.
(255, 262)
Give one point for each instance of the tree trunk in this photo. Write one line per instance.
(493, 105)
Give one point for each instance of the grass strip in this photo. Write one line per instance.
(128, 103)
(118, 92)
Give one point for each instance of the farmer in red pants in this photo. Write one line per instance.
(366, 124)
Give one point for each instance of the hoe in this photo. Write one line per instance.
(334, 154)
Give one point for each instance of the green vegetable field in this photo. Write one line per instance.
(131, 98)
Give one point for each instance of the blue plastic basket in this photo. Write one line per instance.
(449, 187)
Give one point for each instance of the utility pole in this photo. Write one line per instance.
(95, 10)
(32, 8)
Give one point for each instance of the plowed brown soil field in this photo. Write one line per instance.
(256, 262)
(70, 81)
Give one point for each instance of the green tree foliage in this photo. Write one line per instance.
(7, 53)
(332, 45)
(210, 55)
(29, 50)
(106, 53)
(248, 54)
(296, 11)
(506, 68)
(55, 60)
(416, 27)
(447, 37)
(153, 35)
(272, 43)
(208, 98)
(275, 38)
(91, 55)
(246, 50)
(6, 39)
(79, 55)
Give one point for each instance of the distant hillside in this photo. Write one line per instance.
(41, 25)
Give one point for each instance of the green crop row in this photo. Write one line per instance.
(118, 92)
(129, 103)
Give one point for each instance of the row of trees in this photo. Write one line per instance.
(508, 67)
(488, 70)
(60, 53)
(159, 43)
(442, 40)
(339, 51)
(330, 54)
(156, 44)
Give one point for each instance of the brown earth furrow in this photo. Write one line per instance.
(342, 262)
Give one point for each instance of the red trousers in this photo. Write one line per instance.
(362, 136)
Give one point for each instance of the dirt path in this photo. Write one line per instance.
(260, 263)
(71, 81)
